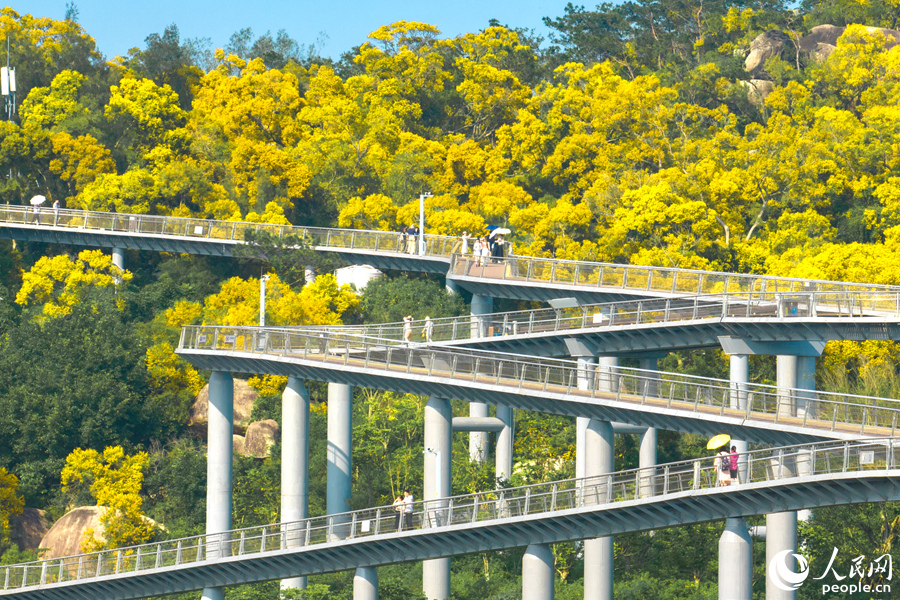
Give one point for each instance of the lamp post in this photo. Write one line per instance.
(262, 300)
(422, 221)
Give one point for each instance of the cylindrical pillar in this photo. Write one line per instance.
(438, 420)
(647, 462)
(365, 584)
(309, 274)
(581, 424)
(504, 452)
(786, 374)
(781, 534)
(294, 468)
(537, 573)
(598, 553)
(118, 257)
(218, 467)
(478, 441)
(607, 373)
(587, 376)
(806, 406)
(451, 286)
(735, 561)
(739, 369)
(339, 451)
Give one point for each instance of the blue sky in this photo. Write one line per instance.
(118, 26)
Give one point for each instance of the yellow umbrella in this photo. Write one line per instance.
(718, 441)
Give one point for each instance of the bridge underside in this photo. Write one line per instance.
(544, 291)
(542, 528)
(635, 410)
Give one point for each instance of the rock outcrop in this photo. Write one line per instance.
(28, 529)
(260, 438)
(67, 534)
(765, 46)
(244, 396)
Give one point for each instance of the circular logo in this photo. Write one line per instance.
(781, 574)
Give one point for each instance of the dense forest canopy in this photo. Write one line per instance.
(720, 135)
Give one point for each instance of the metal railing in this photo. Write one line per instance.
(823, 411)
(637, 278)
(840, 305)
(589, 493)
(223, 231)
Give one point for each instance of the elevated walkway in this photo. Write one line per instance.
(517, 277)
(645, 398)
(681, 493)
(663, 325)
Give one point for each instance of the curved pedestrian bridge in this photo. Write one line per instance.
(662, 324)
(772, 480)
(519, 277)
(648, 398)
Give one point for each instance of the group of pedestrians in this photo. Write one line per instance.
(427, 329)
(726, 464)
(403, 506)
(483, 248)
(409, 237)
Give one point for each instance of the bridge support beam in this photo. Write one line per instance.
(537, 573)
(781, 534)
(735, 561)
(365, 584)
(478, 441)
(451, 286)
(294, 468)
(339, 451)
(598, 553)
(739, 374)
(436, 487)
(218, 466)
(647, 456)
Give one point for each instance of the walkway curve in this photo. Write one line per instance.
(686, 492)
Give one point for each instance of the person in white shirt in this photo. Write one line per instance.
(407, 510)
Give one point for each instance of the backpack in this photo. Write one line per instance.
(726, 462)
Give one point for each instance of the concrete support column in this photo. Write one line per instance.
(647, 456)
(786, 374)
(218, 467)
(365, 584)
(607, 373)
(294, 468)
(537, 573)
(781, 534)
(478, 440)
(438, 419)
(598, 553)
(739, 369)
(451, 286)
(504, 451)
(309, 274)
(118, 257)
(339, 452)
(805, 404)
(587, 375)
(735, 561)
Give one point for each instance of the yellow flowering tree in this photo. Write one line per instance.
(114, 480)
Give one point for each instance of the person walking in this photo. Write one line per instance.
(408, 501)
(412, 237)
(476, 250)
(465, 242)
(723, 468)
(733, 465)
(407, 328)
(428, 330)
(485, 251)
(55, 212)
(36, 214)
(398, 509)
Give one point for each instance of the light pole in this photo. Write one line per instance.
(422, 221)
(262, 300)
(8, 85)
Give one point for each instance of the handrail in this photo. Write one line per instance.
(824, 411)
(637, 278)
(588, 493)
(781, 306)
(388, 242)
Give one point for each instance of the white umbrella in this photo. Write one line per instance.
(500, 231)
(37, 200)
